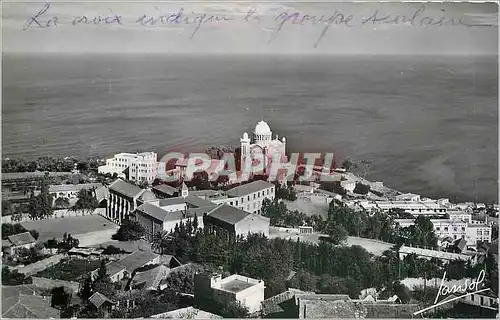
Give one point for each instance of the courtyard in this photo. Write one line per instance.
(89, 229)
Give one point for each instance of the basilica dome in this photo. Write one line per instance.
(262, 128)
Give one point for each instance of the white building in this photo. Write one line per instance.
(156, 215)
(456, 229)
(416, 208)
(262, 146)
(70, 191)
(141, 166)
(247, 197)
(235, 288)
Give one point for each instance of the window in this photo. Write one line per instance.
(254, 195)
(479, 233)
(482, 300)
(455, 229)
(454, 236)
(445, 228)
(248, 197)
(463, 228)
(438, 228)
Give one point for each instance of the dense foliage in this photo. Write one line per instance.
(40, 206)
(13, 278)
(129, 231)
(86, 201)
(287, 193)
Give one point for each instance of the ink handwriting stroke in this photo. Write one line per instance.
(274, 21)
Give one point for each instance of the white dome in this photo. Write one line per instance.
(262, 128)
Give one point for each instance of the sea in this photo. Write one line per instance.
(428, 124)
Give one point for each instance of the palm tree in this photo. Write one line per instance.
(161, 241)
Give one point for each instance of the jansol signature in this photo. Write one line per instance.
(464, 290)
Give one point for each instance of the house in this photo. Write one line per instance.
(487, 300)
(186, 313)
(26, 301)
(235, 222)
(297, 304)
(164, 214)
(102, 303)
(247, 291)
(70, 191)
(150, 279)
(123, 198)
(163, 191)
(17, 242)
(125, 267)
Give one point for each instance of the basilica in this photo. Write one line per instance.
(262, 143)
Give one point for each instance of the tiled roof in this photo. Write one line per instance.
(228, 214)
(98, 299)
(153, 211)
(72, 187)
(248, 188)
(152, 277)
(21, 239)
(22, 302)
(166, 189)
(125, 188)
(101, 193)
(171, 201)
(131, 262)
(198, 202)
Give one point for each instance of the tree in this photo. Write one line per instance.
(336, 233)
(361, 188)
(161, 241)
(60, 298)
(129, 231)
(7, 208)
(13, 278)
(86, 201)
(86, 289)
(11, 229)
(40, 206)
(61, 203)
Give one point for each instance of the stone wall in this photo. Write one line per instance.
(58, 214)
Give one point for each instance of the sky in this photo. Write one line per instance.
(233, 34)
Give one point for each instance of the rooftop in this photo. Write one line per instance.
(153, 211)
(228, 214)
(165, 189)
(21, 239)
(24, 301)
(125, 188)
(131, 262)
(98, 299)
(236, 285)
(254, 186)
(152, 277)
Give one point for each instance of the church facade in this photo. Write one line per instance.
(262, 146)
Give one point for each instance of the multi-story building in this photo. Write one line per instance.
(123, 198)
(156, 215)
(235, 222)
(248, 197)
(246, 291)
(136, 166)
(416, 208)
(456, 229)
